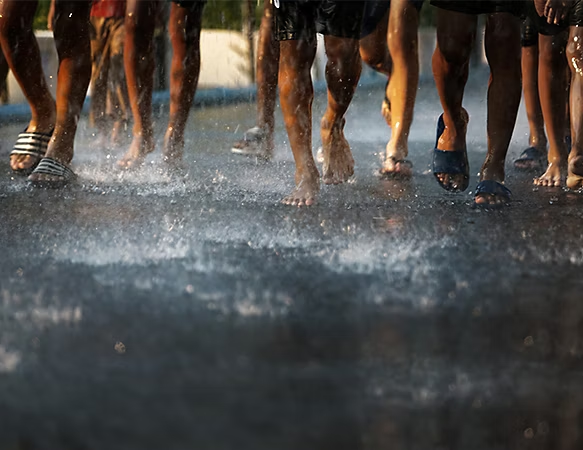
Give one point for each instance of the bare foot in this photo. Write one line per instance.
(397, 168)
(338, 163)
(306, 190)
(575, 173)
(173, 148)
(454, 181)
(553, 177)
(119, 133)
(140, 147)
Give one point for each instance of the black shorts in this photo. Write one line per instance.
(304, 18)
(529, 32)
(375, 10)
(516, 7)
(190, 4)
(574, 19)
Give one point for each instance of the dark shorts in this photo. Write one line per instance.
(375, 10)
(303, 19)
(516, 7)
(574, 19)
(529, 32)
(190, 4)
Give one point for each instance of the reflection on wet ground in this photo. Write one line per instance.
(143, 311)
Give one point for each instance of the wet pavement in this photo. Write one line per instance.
(143, 311)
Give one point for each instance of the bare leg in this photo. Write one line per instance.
(296, 95)
(553, 96)
(455, 34)
(185, 25)
(374, 52)
(22, 54)
(259, 140)
(118, 100)
(534, 114)
(503, 53)
(402, 89)
(99, 76)
(139, 65)
(71, 30)
(575, 58)
(267, 72)
(342, 75)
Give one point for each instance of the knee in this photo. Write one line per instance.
(375, 58)
(455, 52)
(575, 55)
(343, 50)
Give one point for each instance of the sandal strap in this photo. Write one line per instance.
(531, 154)
(31, 143)
(492, 187)
(452, 163)
(52, 167)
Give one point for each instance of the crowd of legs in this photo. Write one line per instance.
(381, 34)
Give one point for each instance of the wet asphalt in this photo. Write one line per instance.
(148, 311)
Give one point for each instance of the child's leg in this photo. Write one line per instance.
(22, 54)
(553, 97)
(402, 89)
(185, 25)
(71, 31)
(342, 75)
(575, 58)
(259, 139)
(502, 41)
(296, 94)
(529, 66)
(99, 75)
(455, 36)
(266, 76)
(139, 64)
(374, 49)
(118, 100)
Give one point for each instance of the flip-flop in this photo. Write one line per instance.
(252, 144)
(531, 154)
(491, 187)
(31, 143)
(396, 174)
(52, 167)
(450, 162)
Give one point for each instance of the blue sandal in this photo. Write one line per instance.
(491, 187)
(531, 155)
(451, 163)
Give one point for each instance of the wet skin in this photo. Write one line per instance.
(575, 58)
(22, 54)
(296, 95)
(537, 138)
(455, 33)
(553, 97)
